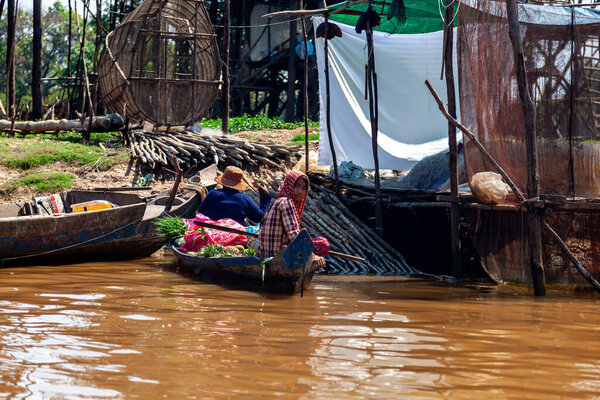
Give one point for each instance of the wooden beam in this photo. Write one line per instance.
(308, 13)
(477, 143)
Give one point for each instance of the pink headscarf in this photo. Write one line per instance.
(287, 190)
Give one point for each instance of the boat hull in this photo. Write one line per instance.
(122, 232)
(289, 272)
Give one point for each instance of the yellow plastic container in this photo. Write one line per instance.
(92, 205)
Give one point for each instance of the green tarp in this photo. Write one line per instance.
(422, 16)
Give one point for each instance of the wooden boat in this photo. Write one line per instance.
(289, 272)
(125, 231)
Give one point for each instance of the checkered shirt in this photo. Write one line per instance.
(278, 227)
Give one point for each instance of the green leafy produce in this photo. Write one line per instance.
(170, 228)
(218, 251)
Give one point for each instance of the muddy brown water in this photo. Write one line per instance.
(140, 330)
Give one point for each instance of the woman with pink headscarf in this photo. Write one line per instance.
(281, 223)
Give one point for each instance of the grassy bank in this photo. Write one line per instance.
(37, 163)
(47, 163)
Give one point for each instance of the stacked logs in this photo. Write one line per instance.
(191, 148)
(325, 215)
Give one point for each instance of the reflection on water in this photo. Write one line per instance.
(140, 330)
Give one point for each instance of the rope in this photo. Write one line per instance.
(2, 260)
(446, 6)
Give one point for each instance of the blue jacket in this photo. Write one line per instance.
(231, 203)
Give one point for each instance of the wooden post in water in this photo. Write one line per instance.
(453, 162)
(328, 106)
(373, 115)
(534, 219)
(305, 91)
(226, 40)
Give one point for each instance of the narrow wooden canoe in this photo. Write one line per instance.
(122, 232)
(288, 272)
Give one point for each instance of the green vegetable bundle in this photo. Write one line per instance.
(170, 228)
(216, 250)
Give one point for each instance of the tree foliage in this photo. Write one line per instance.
(55, 48)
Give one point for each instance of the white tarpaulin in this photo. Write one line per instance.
(411, 126)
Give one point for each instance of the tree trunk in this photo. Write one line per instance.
(108, 122)
(10, 56)
(96, 50)
(36, 69)
(291, 89)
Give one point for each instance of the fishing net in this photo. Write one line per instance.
(562, 59)
(561, 48)
(161, 64)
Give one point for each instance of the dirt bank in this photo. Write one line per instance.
(125, 173)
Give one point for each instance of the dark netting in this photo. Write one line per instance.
(161, 64)
(563, 72)
(500, 237)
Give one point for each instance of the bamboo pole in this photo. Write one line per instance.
(477, 143)
(373, 115)
(175, 184)
(233, 230)
(328, 108)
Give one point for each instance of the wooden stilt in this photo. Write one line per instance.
(534, 220)
(453, 162)
(226, 40)
(305, 41)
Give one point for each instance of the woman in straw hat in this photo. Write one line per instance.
(230, 202)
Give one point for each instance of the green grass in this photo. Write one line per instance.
(34, 154)
(300, 139)
(42, 181)
(113, 139)
(257, 123)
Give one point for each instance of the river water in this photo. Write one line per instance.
(140, 330)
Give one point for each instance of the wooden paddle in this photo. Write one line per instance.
(233, 230)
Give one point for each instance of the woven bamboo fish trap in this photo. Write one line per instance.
(161, 64)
